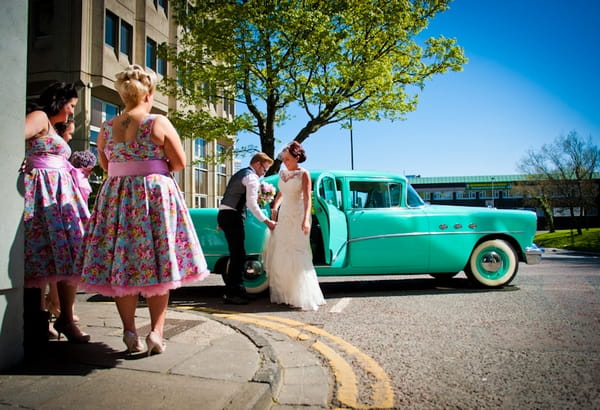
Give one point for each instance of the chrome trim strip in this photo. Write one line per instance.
(394, 235)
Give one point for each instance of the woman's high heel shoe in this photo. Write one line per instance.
(52, 308)
(155, 343)
(71, 332)
(52, 333)
(132, 341)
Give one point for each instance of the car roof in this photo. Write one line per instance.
(356, 173)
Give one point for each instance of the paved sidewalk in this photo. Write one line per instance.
(209, 364)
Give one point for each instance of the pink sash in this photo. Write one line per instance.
(46, 161)
(138, 168)
(58, 162)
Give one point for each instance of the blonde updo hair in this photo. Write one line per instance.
(134, 83)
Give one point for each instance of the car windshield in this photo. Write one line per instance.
(413, 199)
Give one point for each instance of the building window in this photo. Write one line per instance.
(101, 111)
(425, 195)
(164, 5)
(126, 39)
(151, 53)
(200, 151)
(200, 174)
(161, 66)
(231, 109)
(221, 172)
(200, 201)
(153, 61)
(111, 24)
(221, 185)
(222, 167)
(43, 16)
(200, 181)
(442, 195)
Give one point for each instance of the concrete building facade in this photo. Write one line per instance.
(13, 84)
(88, 42)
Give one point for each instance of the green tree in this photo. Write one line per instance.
(335, 60)
(566, 169)
(538, 193)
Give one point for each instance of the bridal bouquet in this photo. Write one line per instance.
(83, 159)
(266, 193)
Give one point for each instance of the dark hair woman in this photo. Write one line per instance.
(55, 212)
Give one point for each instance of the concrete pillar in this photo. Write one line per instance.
(13, 81)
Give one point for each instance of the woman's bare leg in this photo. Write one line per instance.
(157, 305)
(66, 298)
(126, 305)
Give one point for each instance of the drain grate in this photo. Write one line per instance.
(173, 327)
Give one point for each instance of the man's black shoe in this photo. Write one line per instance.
(249, 296)
(235, 300)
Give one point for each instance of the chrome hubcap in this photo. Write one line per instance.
(252, 269)
(491, 261)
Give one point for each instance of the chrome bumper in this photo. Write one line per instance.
(533, 254)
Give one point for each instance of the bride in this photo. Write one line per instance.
(288, 257)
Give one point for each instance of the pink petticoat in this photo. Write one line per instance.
(145, 291)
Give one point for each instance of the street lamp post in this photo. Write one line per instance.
(493, 202)
(351, 147)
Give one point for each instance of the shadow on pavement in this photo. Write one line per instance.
(210, 296)
(62, 358)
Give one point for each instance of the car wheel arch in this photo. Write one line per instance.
(504, 237)
(255, 285)
(221, 265)
(498, 271)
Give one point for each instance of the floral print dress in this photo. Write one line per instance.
(54, 216)
(140, 238)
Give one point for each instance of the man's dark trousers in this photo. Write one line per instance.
(232, 223)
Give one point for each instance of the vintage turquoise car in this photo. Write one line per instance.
(374, 223)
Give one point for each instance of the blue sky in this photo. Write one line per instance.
(533, 74)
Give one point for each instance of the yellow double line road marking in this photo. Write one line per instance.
(382, 394)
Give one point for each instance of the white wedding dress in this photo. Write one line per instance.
(288, 256)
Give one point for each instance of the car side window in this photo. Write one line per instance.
(338, 187)
(375, 194)
(358, 194)
(330, 191)
(395, 194)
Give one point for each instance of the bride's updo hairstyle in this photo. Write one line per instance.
(134, 83)
(295, 150)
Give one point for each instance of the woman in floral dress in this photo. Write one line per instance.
(140, 239)
(55, 212)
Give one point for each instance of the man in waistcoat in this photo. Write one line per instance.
(241, 193)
